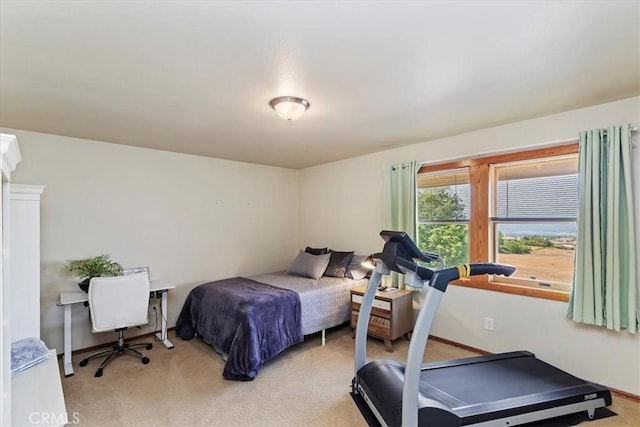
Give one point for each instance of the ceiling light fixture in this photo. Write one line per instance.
(289, 108)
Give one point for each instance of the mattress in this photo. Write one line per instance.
(324, 302)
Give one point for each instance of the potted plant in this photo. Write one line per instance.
(97, 266)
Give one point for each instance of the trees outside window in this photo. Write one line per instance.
(443, 215)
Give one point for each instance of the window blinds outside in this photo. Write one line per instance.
(451, 195)
(541, 190)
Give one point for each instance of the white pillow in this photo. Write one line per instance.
(309, 265)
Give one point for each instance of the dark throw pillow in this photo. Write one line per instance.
(316, 251)
(338, 264)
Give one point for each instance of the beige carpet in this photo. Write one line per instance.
(307, 385)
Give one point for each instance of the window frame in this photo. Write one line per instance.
(480, 224)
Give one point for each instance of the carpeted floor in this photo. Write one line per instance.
(307, 385)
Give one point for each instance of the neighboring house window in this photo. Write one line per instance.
(516, 208)
(443, 214)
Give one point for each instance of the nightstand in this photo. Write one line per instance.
(391, 314)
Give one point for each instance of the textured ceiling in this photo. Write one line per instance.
(197, 77)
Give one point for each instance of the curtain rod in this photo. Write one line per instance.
(633, 129)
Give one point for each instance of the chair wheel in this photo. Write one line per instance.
(149, 346)
(145, 360)
(98, 373)
(84, 362)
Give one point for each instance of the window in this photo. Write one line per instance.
(534, 220)
(517, 208)
(443, 214)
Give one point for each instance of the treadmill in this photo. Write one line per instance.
(495, 390)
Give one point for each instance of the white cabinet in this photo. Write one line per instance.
(34, 396)
(24, 238)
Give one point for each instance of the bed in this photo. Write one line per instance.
(250, 320)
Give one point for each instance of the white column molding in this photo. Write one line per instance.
(26, 192)
(25, 260)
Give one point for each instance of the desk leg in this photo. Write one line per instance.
(162, 335)
(68, 365)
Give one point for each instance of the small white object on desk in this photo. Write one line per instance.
(391, 290)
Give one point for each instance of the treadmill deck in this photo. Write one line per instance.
(484, 388)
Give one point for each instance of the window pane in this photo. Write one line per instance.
(450, 241)
(444, 196)
(541, 189)
(541, 252)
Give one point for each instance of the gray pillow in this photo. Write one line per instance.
(309, 265)
(356, 270)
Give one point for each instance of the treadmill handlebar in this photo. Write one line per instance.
(400, 252)
(441, 278)
(491, 268)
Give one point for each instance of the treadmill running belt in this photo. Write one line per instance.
(497, 380)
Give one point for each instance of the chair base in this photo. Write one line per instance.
(119, 348)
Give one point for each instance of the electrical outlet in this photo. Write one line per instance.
(488, 324)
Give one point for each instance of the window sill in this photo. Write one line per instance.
(483, 283)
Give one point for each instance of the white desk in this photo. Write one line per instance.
(69, 298)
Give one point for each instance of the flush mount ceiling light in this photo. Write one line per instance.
(289, 108)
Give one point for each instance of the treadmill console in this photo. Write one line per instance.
(400, 248)
(405, 241)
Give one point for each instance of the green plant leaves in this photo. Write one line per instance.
(97, 266)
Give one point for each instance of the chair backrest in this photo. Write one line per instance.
(119, 302)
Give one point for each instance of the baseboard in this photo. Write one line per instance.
(112, 343)
(457, 344)
(624, 394)
(616, 392)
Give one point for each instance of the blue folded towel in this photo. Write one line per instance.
(26, 353)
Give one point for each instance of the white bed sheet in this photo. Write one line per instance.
(325, 302)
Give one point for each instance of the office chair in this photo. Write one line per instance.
(115, 304)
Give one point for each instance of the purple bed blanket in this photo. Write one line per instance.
(249, 321)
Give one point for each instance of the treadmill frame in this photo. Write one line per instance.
(417, 347)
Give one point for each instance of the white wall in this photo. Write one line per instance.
(190, 219)
(341, 205)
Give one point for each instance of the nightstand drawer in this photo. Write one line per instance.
(383, 305)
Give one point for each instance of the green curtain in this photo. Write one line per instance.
(605, 286)
(400, 203)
